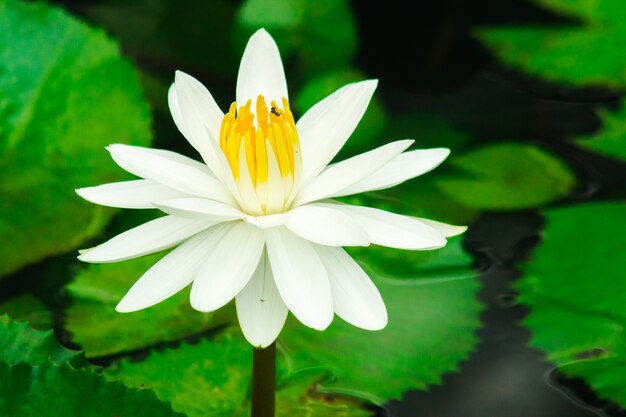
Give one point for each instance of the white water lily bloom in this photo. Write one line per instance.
(256, 221)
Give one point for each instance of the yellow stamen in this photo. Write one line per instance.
(261, 158)
(274, 124)
(250, 157)
(280, 148)
(230, 150)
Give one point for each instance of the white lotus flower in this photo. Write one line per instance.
(255, 221)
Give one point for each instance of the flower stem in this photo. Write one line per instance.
(264, 381)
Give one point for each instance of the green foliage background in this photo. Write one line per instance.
(71, 85)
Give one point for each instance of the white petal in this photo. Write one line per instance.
(345, 173)
(326, 127)
(393, 230)
(261, 311)
(321, 223)
(172, 101)
(228, 268)
(300, 277)
(447, 230)
(198, 115)
(172, 273)
(355, 297)
(195, 207)
(170, 169)
(403, 167)
(153, 236)
(261, 71)
(129, 194)
(267, 221)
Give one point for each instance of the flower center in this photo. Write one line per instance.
(264, 156)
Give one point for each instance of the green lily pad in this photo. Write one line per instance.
(507, 176)
(603, 10)
(65, 94)
(27, 308)
(576, 292)
(50, 390)
(433, 314)
(611, 140)
(299, 395)
(585, 51)
(213, 378)
(20, 343)
(208, 378)
(39, 377)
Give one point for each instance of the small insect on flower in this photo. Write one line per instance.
(256, 220)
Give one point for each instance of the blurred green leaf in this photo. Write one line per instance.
(611, 140)
(169, 34)
(433, 315)
(419, 198)
(278, 14)
(368, 132)
(576, 292)
(507, 176)
(580, 53)
(28, 309)
(213, 377)
(65, 94)
(429, 129)
(20, 343)
(322, 34)
(50, 390)
(603, 11)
